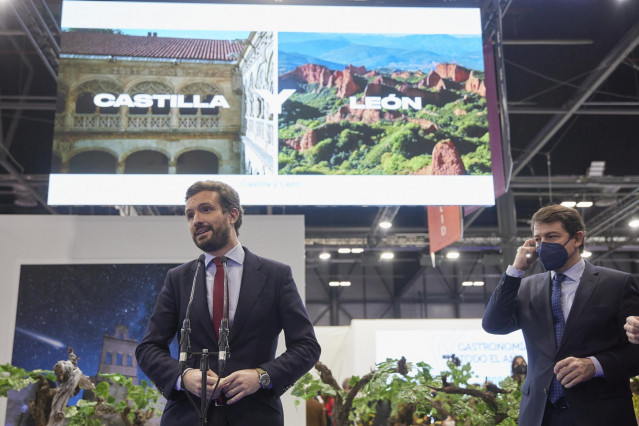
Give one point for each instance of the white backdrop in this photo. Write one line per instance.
(354, 350)
(41, 240)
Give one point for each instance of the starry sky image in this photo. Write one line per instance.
(62, 306)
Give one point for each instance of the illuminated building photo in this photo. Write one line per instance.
(160, 103)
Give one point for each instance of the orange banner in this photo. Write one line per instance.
(444, 226)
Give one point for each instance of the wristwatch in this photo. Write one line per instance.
(264, 378)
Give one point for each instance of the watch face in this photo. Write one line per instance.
(265, 380)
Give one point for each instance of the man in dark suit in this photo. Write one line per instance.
(262, 301)
(572, 317)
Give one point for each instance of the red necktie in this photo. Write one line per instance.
(218, 296)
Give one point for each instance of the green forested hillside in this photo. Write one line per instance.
(396, 146)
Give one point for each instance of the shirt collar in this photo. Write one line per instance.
(575, 272)
(235, 256)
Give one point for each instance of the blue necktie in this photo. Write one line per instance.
(556, 389)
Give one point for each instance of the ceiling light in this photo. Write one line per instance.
(387, 255)
(343, 250)
(333, 283)
(324, 255)
(452, 255)
(467, 283)
(385, 224)
(634, 223)
(586, 254)
(596, 168)
(569, 204)
(344, 283)
(357, 250)
(584, 204)
(605, 202)
(478, 283)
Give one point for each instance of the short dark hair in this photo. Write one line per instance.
(229, 198)
(569, 218)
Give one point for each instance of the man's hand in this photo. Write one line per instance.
(240, 384)
(192, 382)
(526, 255)
(632, 329)
(571, 371)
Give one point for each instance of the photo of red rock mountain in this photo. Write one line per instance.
(428, 118)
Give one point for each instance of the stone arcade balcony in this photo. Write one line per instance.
(138, 123)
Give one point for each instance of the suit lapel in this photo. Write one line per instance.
(542, 300)
(253, 280)
(587, 285)
(200, 310)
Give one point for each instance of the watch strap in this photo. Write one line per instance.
(261, 372)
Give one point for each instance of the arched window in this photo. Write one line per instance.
(146, 162)
(197, 162)
(203, 111)
(93, 162)
(206, 93)
(151, 88)
(84, 103)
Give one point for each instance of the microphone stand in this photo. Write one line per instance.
(185, 350)
(223, 351)
(204, 367)
(185, 334)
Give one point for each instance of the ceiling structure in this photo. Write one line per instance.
(570, 74)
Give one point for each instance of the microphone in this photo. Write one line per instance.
(223, 343)
(185, 334)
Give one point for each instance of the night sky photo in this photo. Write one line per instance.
(62, 306)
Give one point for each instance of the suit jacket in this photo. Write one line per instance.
(594, 327)
(268, 303)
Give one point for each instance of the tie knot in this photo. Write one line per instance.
(559, 278)
(217, 262)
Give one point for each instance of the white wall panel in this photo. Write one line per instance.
(33, 239)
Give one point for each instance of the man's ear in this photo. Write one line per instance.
(234, 214)
(579, 238)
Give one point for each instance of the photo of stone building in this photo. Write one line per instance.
(134, 104)
(259, 132)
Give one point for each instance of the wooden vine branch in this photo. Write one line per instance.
(352, 393)
(37, 407)
(70, 379)
(327, 376)
(487, 396)
(342, 408)
(141, 417)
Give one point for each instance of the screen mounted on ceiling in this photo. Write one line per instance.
(291, 105)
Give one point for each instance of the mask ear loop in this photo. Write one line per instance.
(569, 238)
(576, 248)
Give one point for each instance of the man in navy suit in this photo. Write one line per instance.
(262, 301)
(572, 317)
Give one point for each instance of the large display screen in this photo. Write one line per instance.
(289, 104)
